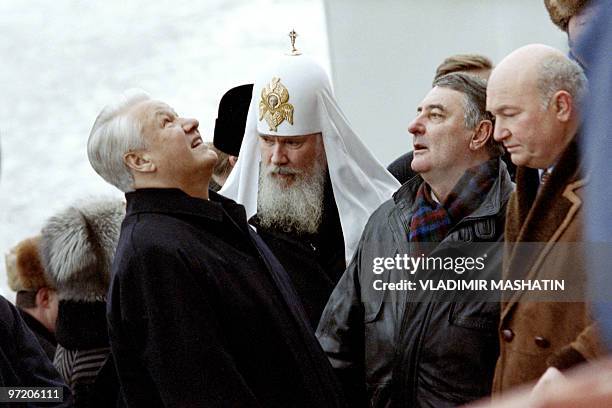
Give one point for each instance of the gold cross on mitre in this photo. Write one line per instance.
(293, 35)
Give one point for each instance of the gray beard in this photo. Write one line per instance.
(296, 208)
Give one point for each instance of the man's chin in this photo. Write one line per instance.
(419, 166)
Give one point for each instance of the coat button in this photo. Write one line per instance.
(541, 342)
(507, 335)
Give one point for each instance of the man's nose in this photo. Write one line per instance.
(279, 155)
(416, 127)
(190, 125)
(500, 133)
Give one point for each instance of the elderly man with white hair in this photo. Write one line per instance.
(200, 312)
(306, 180)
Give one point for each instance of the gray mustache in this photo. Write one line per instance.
(283, 170)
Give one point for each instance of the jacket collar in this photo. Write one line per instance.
(491, 204)
(175, 201)
(534, 201)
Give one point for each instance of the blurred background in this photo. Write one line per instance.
(62, 61)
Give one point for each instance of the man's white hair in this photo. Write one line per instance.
(560, 73)
(115, 133)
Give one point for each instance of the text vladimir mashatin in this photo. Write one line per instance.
(459, 265)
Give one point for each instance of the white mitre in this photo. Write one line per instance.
(293, 97)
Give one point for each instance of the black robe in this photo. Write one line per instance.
(315, 262)
(202, 315)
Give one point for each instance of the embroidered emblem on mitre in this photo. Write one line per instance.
(274, 105)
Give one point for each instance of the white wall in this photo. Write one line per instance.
(384, 54)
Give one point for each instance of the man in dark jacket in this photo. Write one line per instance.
(200, 313)
(36, 297)
(229, 131)
(22, 360)
(23, 363)
(415, 348)
(77, 246)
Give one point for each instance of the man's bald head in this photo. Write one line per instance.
(522, 65)
(544, 67)
(535, 92)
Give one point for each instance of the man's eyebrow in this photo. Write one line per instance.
(163, 111)
(435, 106)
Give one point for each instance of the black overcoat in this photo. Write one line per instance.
(202, 315)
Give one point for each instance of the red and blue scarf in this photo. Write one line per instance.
(432, 221)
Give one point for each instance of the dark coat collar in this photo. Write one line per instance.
(490, 206)
(175, 201)
(81, 325)
(37, 327)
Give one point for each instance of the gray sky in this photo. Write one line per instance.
(62, 61)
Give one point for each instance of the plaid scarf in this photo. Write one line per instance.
(431, 221)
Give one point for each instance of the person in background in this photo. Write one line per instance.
(229, 131)
(36, 296)
(223, 168)
(472, 64)
(573, 17)
(77, 247)
(23, 362)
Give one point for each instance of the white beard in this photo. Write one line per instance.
(292, 208)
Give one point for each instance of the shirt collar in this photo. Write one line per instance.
(549, 170)
(175, 201)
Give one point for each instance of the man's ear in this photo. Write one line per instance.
(233, 160)
(563, 105)
(139, 161)
(43, 297)
(481, 136)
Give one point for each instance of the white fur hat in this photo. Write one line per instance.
(78, 245)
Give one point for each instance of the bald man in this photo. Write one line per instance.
(534, 94)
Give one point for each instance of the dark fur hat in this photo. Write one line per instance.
(561, 11)
(78, 246)
(24, 268)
